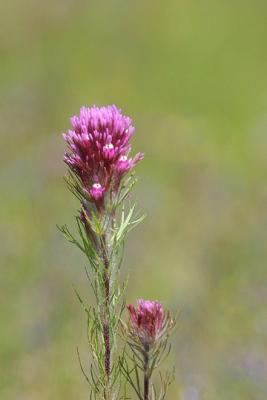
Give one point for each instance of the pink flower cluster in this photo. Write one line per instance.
(147, 320)
(99, 149)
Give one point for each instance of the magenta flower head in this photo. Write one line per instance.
(99, 149)
(147, 335)
(148, 321)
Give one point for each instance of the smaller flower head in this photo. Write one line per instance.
(148, 321)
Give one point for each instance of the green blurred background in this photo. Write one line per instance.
(192, 74)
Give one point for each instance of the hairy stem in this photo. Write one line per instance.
(146, 372)
(106, 326)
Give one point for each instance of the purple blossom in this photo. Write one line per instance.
(99, 148)
(147, 320)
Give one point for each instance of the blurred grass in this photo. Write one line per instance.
(193, 76)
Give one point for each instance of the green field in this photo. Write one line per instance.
(193, 76)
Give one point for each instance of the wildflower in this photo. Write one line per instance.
(99, 148)
(98, 158)
(148, 320)
(147, 335)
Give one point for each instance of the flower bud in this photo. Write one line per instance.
(147, 320)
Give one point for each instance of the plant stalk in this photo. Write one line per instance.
(106, 325)
(146, 372)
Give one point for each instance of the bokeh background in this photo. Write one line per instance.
(192, 74)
